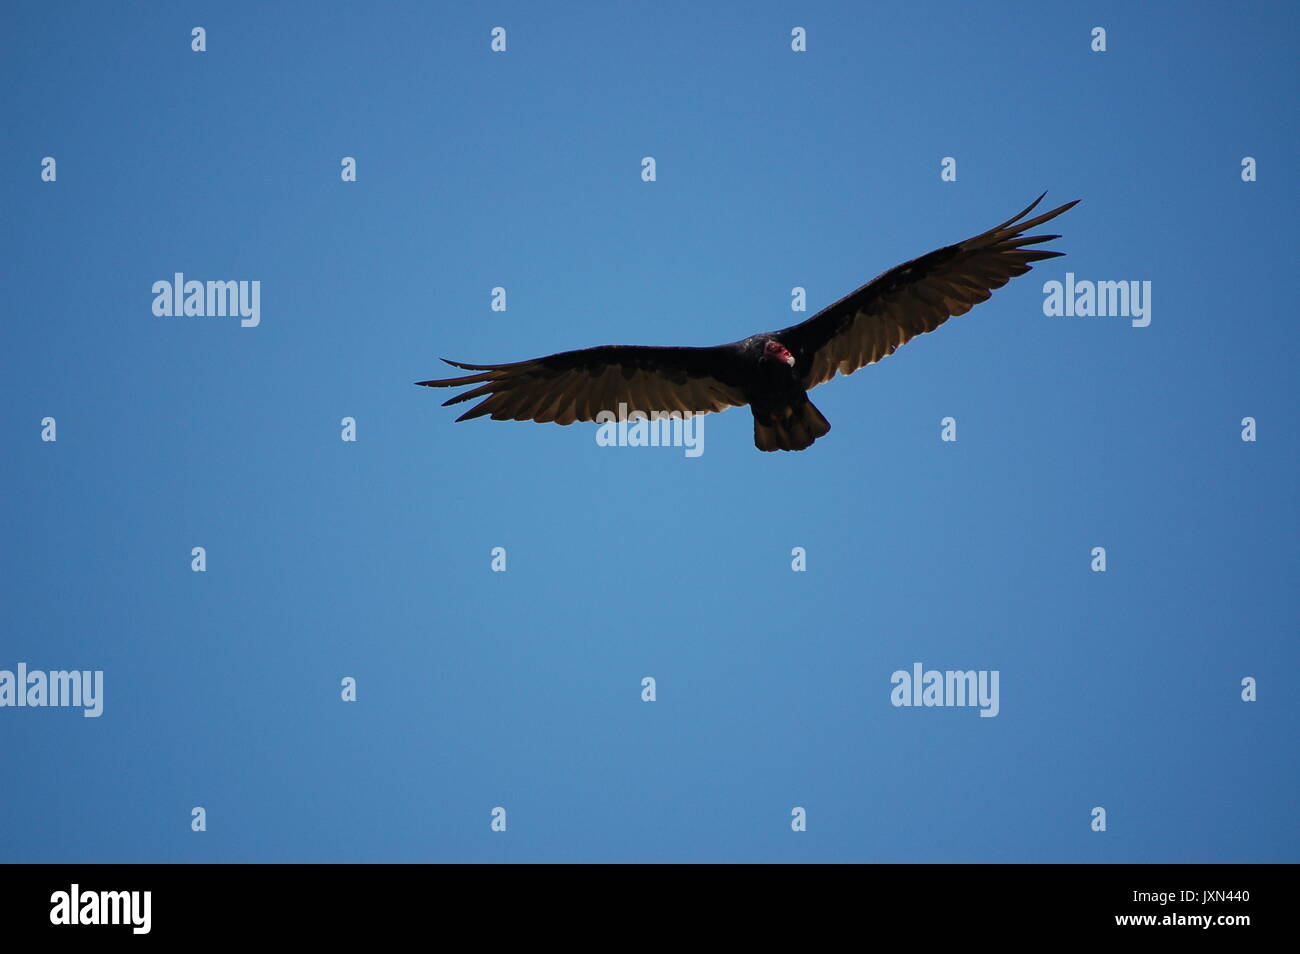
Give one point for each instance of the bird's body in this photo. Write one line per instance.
(784, 418)
(772, 372)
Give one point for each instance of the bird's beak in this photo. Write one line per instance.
(789, 359)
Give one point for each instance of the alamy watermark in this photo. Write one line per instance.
(36, 688)
(952, 687)
(655, 429)
(1088, 299)
(75, 906)
(193, 299)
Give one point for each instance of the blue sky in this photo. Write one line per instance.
(371, 559)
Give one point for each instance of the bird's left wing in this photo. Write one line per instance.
(913, 298)
(578, 385)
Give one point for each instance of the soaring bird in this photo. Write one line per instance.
(771, 372)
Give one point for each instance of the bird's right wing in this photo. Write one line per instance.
(578, 385)
(913, 298)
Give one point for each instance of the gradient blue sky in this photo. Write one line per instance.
(371, 559)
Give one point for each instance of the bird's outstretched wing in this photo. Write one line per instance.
(913, 298)
(578, 385)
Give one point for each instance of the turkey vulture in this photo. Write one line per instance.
(769, 372)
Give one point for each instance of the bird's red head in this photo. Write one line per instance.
(778, 352)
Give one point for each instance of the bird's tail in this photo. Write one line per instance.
(789, 428)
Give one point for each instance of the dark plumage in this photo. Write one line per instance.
(770, 372)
